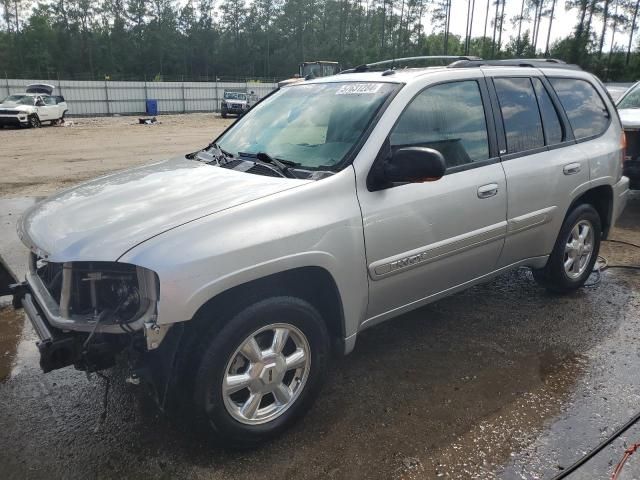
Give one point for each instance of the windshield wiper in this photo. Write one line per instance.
(283, 166)
(214, 146)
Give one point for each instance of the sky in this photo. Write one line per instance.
(563, 23)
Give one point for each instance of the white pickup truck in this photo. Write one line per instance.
(33, 107)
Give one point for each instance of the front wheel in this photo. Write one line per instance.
(262, 371)
(34, 121)
(575, 252)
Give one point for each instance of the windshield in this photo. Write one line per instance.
(19, 99)
(631, 99)
(319, 70)
(313, 125)
(235, 96)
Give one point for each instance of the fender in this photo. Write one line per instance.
(354, 310)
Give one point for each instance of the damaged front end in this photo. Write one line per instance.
(86, 313)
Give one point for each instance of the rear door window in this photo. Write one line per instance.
(585, 108)
(519, 107)
(553, 132)
(449, 118)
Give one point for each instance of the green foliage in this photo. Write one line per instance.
(207, 39)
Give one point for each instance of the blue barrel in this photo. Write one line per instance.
(152, 107)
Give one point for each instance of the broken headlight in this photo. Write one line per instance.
(114, 293)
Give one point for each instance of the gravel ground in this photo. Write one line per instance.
(502, 381)
(47, 159)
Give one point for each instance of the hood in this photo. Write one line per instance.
(13, 106)
(630, 117)
(40, 88)
(103, 218)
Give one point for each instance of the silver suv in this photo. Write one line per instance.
(228, 276)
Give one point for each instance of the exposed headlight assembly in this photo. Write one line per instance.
(110, 293)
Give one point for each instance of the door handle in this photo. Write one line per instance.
(487, 191)
(571, 169)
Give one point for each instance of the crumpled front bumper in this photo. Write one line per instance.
(59, 348)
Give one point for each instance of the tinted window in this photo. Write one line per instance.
(519, 107)
(550, 120)
(586, 110)
(49, 100)
(631, 99)
(449, 118)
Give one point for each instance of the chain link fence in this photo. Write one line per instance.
(107, 97)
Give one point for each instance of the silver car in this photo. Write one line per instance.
(229, 276)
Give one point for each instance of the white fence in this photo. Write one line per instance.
(89, 98)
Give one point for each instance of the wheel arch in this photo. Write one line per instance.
(601, 197)
(313, 284)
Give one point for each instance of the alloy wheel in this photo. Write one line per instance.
(578, 249)
(266, 374)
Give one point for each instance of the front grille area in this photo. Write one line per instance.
(8, 112)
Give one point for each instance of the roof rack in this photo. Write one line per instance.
(515, 62)
(394, 62)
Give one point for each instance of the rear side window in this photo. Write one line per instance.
(553, 132)
(519, 108)
(585, 108)
(448, 118)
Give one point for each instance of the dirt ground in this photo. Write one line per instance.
(38, 162)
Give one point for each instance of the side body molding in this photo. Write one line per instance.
(436, 251)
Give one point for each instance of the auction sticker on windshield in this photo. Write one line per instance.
(357, 88)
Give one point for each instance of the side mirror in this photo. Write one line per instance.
(408, 165)
(39, 103)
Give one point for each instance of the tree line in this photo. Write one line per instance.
(206, 39)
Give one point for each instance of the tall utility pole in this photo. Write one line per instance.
(446, 27)
(495, 27)
(553, 8)
(501, 21)
(486, 21)
(613, 38)
(633, 29)
(470, 11)
(520, 27)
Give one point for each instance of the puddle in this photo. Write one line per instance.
(11, 325)
(481, 450)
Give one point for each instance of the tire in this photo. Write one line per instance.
(555, 276)
(224, 114)
(245, 417)
(60, 120)
(34, 121)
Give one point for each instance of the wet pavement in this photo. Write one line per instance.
(502, 381)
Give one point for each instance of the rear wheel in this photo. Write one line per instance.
(59, 121)
(575, 252)
(224, 114)
(262, 371)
